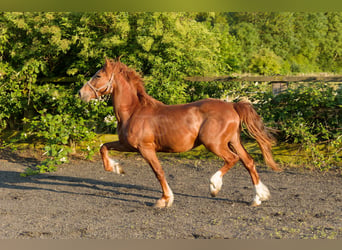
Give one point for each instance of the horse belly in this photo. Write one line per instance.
(178, 137)
(176, 145)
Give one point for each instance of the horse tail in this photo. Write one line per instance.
(257, 130)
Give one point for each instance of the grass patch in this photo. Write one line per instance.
(287, 155)
(294, 155)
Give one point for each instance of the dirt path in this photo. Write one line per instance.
(80, 200)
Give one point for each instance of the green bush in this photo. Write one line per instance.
(309, 116)
(61, 122)
(165, 48)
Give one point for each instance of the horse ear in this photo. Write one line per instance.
(118, 58)
(108, 64)
(107, 61)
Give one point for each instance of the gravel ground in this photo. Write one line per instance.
(82, 201)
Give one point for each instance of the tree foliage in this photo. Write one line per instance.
(164, 48)
(306, 42)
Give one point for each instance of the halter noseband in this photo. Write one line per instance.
(107, 85)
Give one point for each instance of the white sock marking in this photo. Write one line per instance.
(261, 193)
(115, 166)
(216, 183)
(170, 194)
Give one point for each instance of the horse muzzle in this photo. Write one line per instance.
(85, 97)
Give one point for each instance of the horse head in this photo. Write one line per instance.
(100, 84)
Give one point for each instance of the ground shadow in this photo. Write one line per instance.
(89, 187)
(13, 157)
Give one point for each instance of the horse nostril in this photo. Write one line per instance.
(82, 97)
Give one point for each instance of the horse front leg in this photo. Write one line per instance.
(109, 164)
(151, 157)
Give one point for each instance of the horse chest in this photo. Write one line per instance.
(133, 134)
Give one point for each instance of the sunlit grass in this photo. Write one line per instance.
(286, 155)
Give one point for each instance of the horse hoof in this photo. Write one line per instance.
(164, 203)
(213, 194)
(255, 203)
(114, 167)
(213, 191)
(119, 170)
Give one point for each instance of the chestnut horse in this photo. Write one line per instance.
(148, 126)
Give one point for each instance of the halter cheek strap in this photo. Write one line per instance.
(108, 85)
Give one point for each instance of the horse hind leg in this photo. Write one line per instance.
(261, 191)
(229, 158)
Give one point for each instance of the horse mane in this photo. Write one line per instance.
(135, 79)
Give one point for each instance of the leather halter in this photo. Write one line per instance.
(107, 85)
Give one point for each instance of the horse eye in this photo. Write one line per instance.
(97, 76)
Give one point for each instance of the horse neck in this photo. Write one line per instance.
(125, 101)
